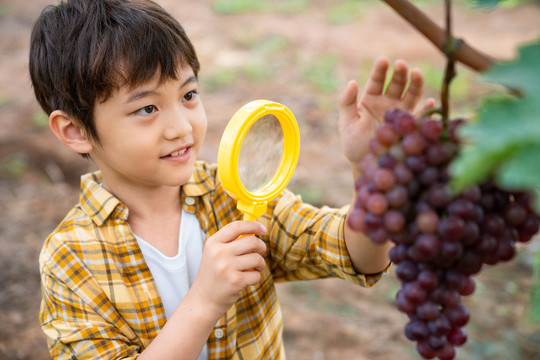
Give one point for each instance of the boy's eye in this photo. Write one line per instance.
(190, 96)
(146, 110)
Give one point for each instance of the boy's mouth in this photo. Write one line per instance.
(177, 154)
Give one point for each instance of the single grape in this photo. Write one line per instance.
(455, 279)
(379, 236)
(461, 207)
(377, 204)
(405, 123)
(386, 134)
(386, 161)
(515, 214)
(403, 304)
(437, 154)
(428, 176)
(414, 292)
(451, 228)
(429, 311)
(469, 287)
(439, 195)
(493, 224)
(413, 144)
(376, 147)
(397, 196)
(458, 315)
(397, 153)
(407, 271)
(431, 129)
(457, 336)
(447, 353)
(450, 251)
(436, 342)
(394, 221)
(440, 326)
(427, 221)
(384, 179)
(416, 163)
(424, 351)
(403, 174)
(428, 245)
(416, 330)
(428, 280)
(355, 220)
(373, 222)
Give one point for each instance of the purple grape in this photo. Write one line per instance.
(407, 271)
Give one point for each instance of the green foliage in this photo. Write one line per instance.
(40, 120)
(14, 165)
(490, 4)
(219, 79)
(260, 6)
(346, 11)
(504, 141)
(322, 73)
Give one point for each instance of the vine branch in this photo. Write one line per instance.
(464, 53)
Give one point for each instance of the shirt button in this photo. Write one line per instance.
(219, 333)
(189, 201)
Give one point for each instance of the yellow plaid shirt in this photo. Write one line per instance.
(100, 300)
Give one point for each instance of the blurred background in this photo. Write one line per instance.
(300, 53)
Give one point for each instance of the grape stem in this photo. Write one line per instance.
(450, 49)
(464, 53)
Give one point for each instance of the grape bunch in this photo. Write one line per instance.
(441, 239)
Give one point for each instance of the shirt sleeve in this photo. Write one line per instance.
(309, 243)
(76, 315)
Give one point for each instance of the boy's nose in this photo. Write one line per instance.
(177, 125)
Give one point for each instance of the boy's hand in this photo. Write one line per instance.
(229, 263)
(359, 117)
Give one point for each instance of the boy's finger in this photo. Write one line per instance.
(377, 77)
(248, 244)
(414, 92)
(249, 262)
(234, 230)
(428, 104)
(398, 82)
(347, 101)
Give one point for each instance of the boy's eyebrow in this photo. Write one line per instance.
(143, 93)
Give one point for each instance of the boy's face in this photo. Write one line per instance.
(150, 135)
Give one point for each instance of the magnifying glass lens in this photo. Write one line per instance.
(260, 153)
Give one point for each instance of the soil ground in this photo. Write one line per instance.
(301, 54)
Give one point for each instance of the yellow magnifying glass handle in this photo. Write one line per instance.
(249, 217)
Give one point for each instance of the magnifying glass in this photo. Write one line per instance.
(257, 155)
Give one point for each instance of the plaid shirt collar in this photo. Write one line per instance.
(99, 204)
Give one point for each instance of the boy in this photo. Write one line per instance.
(151, 263)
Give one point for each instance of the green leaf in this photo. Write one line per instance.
(522, 169)
(522, 74)
(504, 141)
(505, 129)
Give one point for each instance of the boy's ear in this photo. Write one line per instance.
(69, 133)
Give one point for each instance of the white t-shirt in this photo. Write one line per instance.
(175, 275)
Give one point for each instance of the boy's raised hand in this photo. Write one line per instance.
(232, 259)
(360, 116)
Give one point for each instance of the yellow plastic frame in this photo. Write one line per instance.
(254, 204)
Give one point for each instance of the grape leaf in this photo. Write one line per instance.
(504, 141)
(523, 75)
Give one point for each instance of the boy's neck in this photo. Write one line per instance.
(147, 202)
